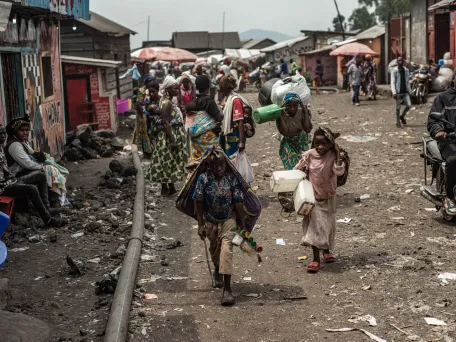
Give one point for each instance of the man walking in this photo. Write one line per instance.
(400, 87)
(284, 69)
(355, 72)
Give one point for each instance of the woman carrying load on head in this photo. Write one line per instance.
(294, 124)
(170, 154)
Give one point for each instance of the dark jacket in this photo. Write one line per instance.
(444, 103)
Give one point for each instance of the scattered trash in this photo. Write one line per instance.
(94, 261)
(398, 218)
(178, 309)
(254, 164)
(367, 287)
(280, 242)
(344, 220)
(150, 296)
(107, 285)
(409, 191)
(302, 258)
(431, 210)
(247, 278)
(367, 318)
(21, 249)
(434, 321)
(144, 331)
(77, 267)
(77, 235)
(152, 279)
(174, 245)
(372, 336)
(34, 239)
(147, 257)
(252, 295)
(395, 208)
(365, 197)
(359, 138)
(38, 278)
(412, 234)
(447, 276)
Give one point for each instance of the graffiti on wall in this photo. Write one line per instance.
(46, 114)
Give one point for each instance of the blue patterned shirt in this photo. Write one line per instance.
(219, 197)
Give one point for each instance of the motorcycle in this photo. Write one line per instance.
(435, 190)
(419, 86)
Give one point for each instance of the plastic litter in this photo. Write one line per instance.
(302, 258)
(252, 295)
(371, 336)
(247, 278)
(365, 197)
(447, 276)
(367, 318)
(344, 220)
(21, 249)
(280, 242)
(150, 296)
(395, 208)
(434, 321)
(94, 261)
(77, 235)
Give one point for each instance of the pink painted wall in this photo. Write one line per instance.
(329, 65)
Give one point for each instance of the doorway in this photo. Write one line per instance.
(13, 85)
(77, 92)
(442, 35)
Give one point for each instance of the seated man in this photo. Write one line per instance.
(446, 102)
(9, 186)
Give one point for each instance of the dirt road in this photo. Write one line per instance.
(389, 255)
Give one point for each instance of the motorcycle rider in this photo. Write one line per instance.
(446, 103)
(400, 87)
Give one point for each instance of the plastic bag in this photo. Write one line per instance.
(242, 164)
(294, 84)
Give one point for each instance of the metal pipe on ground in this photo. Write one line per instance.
(117, 328)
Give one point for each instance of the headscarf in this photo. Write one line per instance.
(15, 124)
(228, 81)
(368, 57)
(291, 96)
(328, 135)
(169, 82)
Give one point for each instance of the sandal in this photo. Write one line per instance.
(329, 258)
(227, 299)
(313, 267)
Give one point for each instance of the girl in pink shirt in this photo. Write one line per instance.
(323, 165)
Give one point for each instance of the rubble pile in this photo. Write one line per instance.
(84, 143)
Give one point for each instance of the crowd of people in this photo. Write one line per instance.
(360, 76)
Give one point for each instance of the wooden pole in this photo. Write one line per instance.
(340, 20)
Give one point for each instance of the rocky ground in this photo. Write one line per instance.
(390, 252)
(66, 277)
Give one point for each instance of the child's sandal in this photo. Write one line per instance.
(313, 267)
(329, 258)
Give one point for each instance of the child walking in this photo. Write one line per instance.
(219, 204)
(323, 165)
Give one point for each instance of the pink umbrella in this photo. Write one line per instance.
(165, 54)
(353, 49)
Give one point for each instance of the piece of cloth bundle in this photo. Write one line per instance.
(228, 81)
(291, 96)
(169, 82)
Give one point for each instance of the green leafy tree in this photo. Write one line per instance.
(336, 24)
(397, 7)
(362, 19)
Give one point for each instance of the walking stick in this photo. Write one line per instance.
(208, 263)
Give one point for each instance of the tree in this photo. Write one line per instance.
(397, 7)
(362, 19)
(336, 24)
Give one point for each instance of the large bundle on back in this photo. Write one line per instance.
(295, 84)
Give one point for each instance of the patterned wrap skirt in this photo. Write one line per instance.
(291, 149)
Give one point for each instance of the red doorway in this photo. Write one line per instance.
(77, 92)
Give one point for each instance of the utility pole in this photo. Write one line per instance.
(148, 28)
(340, 20)
(223, 34)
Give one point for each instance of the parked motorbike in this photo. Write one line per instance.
(435, 190)
(419, 86)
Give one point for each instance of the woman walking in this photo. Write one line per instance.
(370, 77)
(235, 129)
(294, 124)
(140, 134)
(170, 154)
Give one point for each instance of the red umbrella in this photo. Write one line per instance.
(353, 49)
(165, 54)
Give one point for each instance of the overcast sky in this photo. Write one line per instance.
(167, 16)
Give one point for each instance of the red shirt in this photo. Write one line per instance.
(238, 110)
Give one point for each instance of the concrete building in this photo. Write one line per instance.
(289, 49)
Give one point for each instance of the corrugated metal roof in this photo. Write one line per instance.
(76, 9)
(242, 53)
(105, 25)
(443, 3)
(286, 43)
(372, 33)
(324, 49)
(5, 10)
(191, 40)
(227, 40)
(253, 42)
(91, 61)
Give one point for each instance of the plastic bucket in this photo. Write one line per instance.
(4, 222)
(267, 113)
(3, 254)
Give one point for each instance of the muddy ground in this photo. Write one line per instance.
(389, 255)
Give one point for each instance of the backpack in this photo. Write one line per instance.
(341, 180)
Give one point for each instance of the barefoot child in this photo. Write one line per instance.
(219, 202)
(323, 165)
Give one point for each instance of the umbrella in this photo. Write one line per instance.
(165, 54)
(353, 49)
